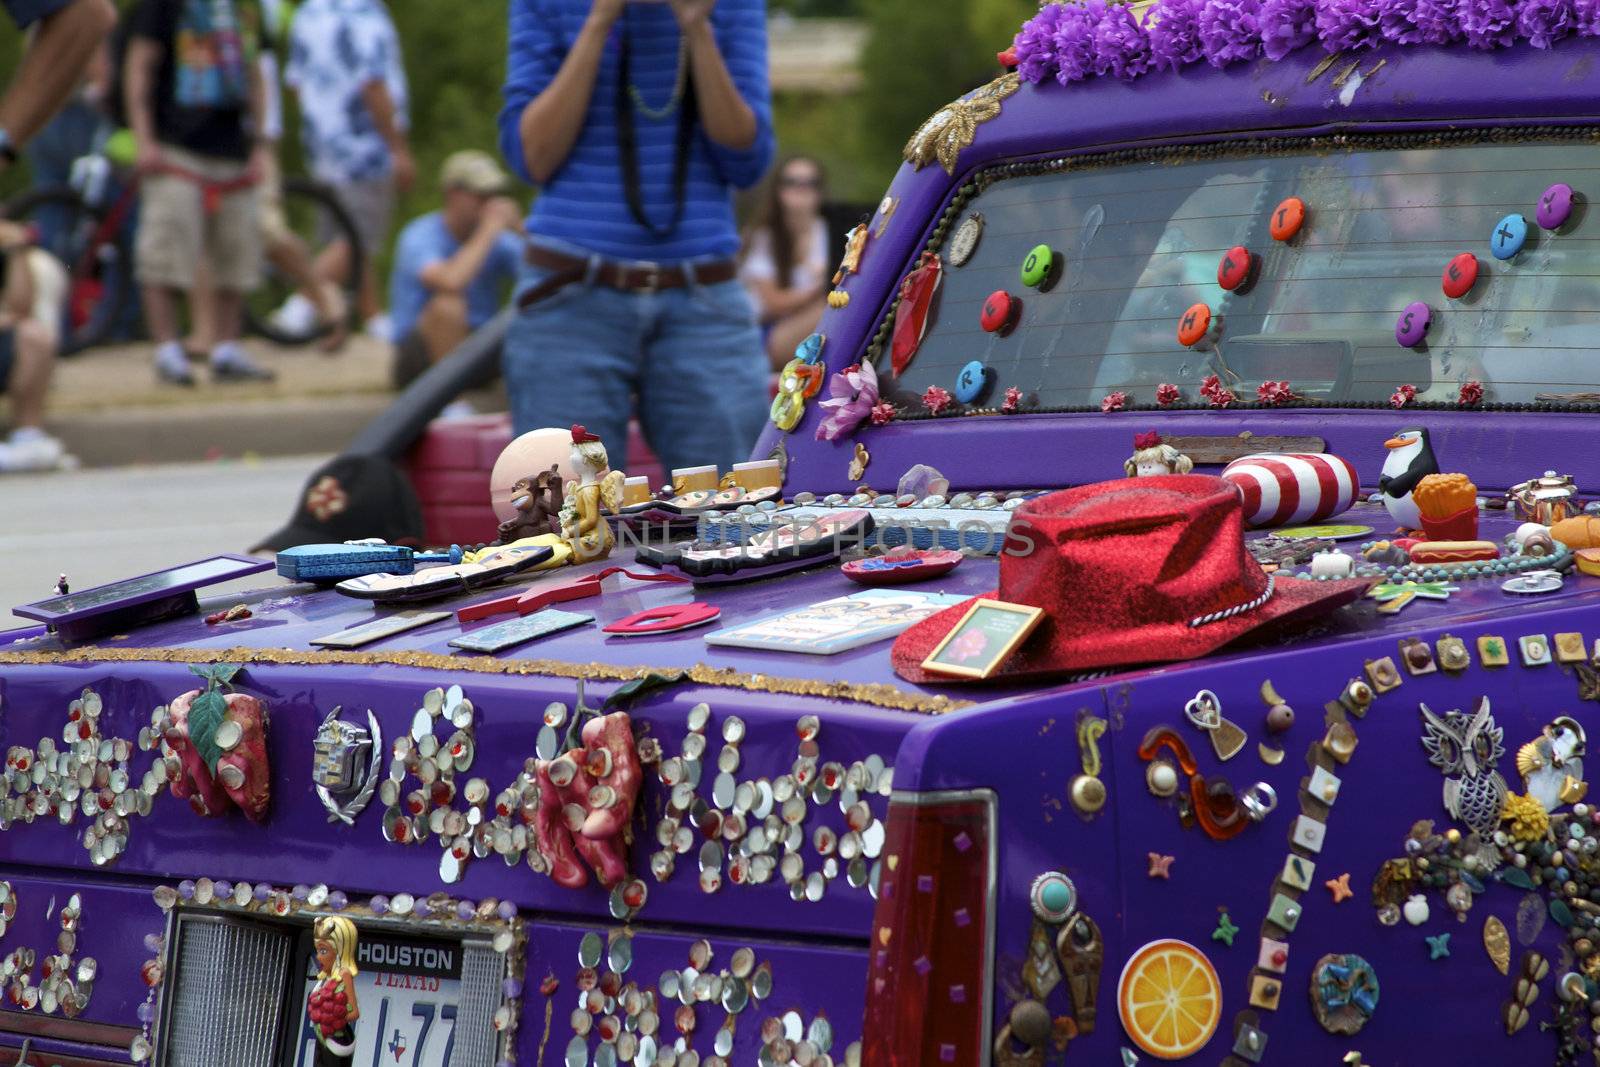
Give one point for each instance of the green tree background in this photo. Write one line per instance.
(920, 54)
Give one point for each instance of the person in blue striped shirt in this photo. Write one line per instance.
(638, 119)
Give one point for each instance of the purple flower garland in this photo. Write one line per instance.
(1074, 41)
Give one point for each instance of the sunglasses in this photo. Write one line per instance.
(799, 183)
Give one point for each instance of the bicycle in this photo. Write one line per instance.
(94, 219)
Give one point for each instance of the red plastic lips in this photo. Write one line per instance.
(1460, 276)
(1151, 555)
(911, 317)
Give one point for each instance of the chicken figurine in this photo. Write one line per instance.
(1409, 461)
(1551, 764)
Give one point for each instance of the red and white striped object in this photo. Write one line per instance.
(1288, 488)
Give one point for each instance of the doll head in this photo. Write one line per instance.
(334, 940)
(1152, 456)
(588, 453)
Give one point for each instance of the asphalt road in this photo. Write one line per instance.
(100, 525)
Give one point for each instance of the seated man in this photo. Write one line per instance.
(451, 266)
(33, 287)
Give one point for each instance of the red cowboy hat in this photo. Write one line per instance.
(1161, 559)
(580, 436)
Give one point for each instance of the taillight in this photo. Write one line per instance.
(928, 983)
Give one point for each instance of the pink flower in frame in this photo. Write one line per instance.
(935, 399)
(1168, 394)
(882, 413)
(1221, 398)
(1114, 401)
(1013, 400)
(1471, 394)
(1403, 396)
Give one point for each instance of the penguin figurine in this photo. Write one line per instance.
(1410, 460)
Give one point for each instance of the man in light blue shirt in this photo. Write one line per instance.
(452, 267)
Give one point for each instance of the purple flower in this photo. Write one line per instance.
(1074, 41)
(1174, 28)
(1036, 44)
(1347, 25)
(1544, 22)
(1230, 31)
(851, 394)
(1287, 25)
(1121, 47)
(1419, 21)
(1588, 16)
(1488, 24)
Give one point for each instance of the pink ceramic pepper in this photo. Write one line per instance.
(244, 770)
(196, 784)
(613, 734)
(552, 836)
(608, 856)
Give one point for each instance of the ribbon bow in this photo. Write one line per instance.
(1142, 441)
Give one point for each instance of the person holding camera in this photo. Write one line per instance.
(637, 119)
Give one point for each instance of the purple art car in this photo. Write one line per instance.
(1159, 830)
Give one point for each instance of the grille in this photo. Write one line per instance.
(227, 997)
(482, 969)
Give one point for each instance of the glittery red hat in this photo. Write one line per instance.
(1161, 559)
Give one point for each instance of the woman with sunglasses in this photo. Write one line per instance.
(637, 119)
(784, 264)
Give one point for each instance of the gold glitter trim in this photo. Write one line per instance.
(878, 695)
(955, 126)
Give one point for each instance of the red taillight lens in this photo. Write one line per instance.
(928, 982)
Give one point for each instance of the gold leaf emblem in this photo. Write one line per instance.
(1498, 943)
(954, 126)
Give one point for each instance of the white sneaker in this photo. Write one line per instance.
(296, 315)
(35, 451)
(379, 329)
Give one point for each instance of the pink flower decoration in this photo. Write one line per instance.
(1471, 393)
(1114, 401)
(852, 394)
(1013, 400)
(1210, 385)
(882, 413)
(1403, 396)
(936, 399)
(1274, 393)
(1168, 394)
(1221, 398)
(969, 646)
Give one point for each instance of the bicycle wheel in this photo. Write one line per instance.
(314, 219)
(94, 246)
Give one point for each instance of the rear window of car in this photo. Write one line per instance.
(1141, 241)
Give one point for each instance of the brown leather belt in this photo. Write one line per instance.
(629, 278)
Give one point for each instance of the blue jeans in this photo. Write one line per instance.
(689, 358)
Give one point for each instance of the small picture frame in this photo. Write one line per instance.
(984, 638)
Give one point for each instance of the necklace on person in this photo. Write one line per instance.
(679, 84)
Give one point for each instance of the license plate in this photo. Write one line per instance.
(407, 1003)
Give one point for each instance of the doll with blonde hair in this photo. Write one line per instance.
(583, 527)
(332, 1006)
(1152, 456)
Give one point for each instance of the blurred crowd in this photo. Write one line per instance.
(637, 295)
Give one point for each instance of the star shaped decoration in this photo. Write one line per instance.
(1438, 947)
(1340, 888)
(1225, 931)
(1160, 866)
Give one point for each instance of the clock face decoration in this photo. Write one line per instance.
(965, 240)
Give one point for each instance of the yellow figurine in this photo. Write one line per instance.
(332, 1005)
(583, 527)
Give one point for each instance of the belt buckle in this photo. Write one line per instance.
(652, 283)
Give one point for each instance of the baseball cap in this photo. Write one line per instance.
(474, 171)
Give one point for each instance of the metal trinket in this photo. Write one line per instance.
(343, 768)
(1468, 746)
(1205, 712)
